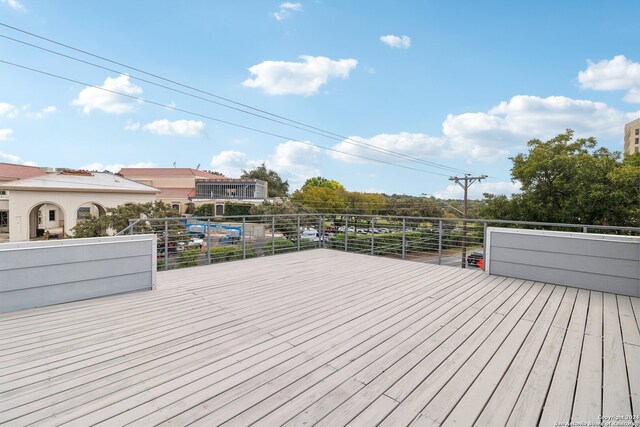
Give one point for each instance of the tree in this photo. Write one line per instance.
(570, 181)
(319, 181)
(276, 186)
(207, 209)
(190, 208)
(321, 199)
(118, 218)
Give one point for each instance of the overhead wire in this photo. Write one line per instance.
(307, 128)
(204, 116)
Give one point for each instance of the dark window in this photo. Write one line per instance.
(638, 131)
(4, 218)
(637, 140)
(175, 207)
(52, 215)
(84, 213)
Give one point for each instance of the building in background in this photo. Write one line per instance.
(49, 205)
(179, 186)
(632, 137)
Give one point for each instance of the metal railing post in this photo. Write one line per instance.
(484, 246)
(131, 228)
(208, 241)
(584, 229)
(372, 234)
(404, 238)
(439, 242)
(321, 231)
(299, 233)
(244, 238)
(166, 245)
(346, 234)
(273, 235)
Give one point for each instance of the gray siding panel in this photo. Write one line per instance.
(597, 246)
(583, 260)
(571, 262)
(595, 282)
(21, 258)
(35, 274)
(38, 297)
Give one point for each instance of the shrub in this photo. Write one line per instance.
(231, 253)
(188, 258)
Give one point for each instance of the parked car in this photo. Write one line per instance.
(310, 234)
(475, 259)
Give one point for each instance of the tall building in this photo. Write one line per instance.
(632, 137)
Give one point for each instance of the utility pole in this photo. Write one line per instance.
(468, 181)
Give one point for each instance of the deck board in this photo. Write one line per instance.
(324, 338)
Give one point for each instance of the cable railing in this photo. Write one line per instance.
(192, 241)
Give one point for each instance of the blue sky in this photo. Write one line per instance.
(462, 85)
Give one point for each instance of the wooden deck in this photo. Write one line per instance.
(325, 338)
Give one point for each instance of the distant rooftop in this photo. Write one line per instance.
(79, 181)
(175, 172)
(177, 192)
(11, 172)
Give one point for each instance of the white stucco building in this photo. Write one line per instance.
(51, 204)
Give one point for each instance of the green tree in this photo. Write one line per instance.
(321, 199)
(207, 209)
(118, 218)
(569, 180)
(319, 181)
(276, 186)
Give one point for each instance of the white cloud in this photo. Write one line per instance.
(91, 98)
(186, 128)
(293, 160)
(397, 42)
(115, 167)
(229, 163)
(5, 134)
(411, 144)
(509, 125)
(499, 132)
(14, 4)
(285, 10)
(618, 73)
(298, 78)
(131, 125)
(46, 111)
(12, 158)
(296, 160)
(7, 110)
(633, 96)
(476, 191)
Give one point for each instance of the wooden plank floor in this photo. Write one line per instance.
(325, 338)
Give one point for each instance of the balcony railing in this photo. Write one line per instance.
(186, 242)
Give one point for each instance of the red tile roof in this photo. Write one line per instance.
(143, 172)
(12, 172)
(176, 192)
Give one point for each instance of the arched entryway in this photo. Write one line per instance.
(46, 220)
(90, 209)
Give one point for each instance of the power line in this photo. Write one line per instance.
(311, 129)
(204, 116)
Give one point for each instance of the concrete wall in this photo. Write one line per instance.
(36, 274)
(600, 262)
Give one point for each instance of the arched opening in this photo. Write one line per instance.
(89, 210)
(46, 221)
(219, 210)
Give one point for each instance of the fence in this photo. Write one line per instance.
(186, 242)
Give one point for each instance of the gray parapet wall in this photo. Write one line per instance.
(41, 273)
(601, 262)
